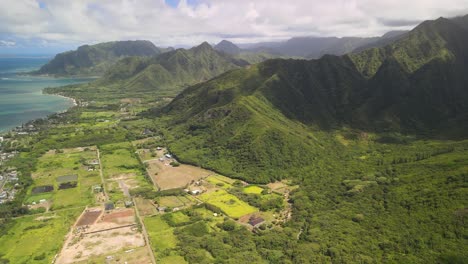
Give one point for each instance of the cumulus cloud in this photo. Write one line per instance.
(190, 22)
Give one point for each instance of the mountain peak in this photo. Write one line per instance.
(227, 47)
(204, 46)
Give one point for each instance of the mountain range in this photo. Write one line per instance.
(414, 85)
(315, 47)
(96, 59)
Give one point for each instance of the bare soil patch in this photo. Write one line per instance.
(112, 233)
(89, 217)
(124, 216)
(168, 177)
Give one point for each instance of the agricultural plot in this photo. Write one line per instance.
(253, 189)
(145, 207)
(161, 234)
(228, 203)
(109, 233)
(173, 201)
(122, 170)
(168, 177)
(64, 179)
(21, 244)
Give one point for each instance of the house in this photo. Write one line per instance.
(256, 221)
(128, 203)
(169, 156)
(195, 192)
(158, 148)
(162, 209)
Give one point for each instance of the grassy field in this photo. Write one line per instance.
(170, 201)
(161, 237)
(253, 189)
(31, 240)
(65, 162)
(228, 203)
(121, 169)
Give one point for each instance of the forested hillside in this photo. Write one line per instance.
(94, 60)
(360, 135)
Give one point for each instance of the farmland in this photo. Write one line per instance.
(122, 170)
(64, 178)
(228, 203)
(99, 233)
(21, 243)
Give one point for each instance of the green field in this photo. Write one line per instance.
(36, 241)
(228, 203)
(66, 162)
(253, 189)
(120, 161)
(161, 235)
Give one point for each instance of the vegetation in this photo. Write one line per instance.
(34, 239)
(96, 59)
(369, 139)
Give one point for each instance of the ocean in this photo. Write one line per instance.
(21, 97)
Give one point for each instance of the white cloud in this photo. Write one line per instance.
(7, 43)
(90, 21)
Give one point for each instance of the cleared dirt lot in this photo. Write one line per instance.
(168, 177)
(89, 217)
(113, 233)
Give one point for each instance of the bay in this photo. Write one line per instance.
(21, 98)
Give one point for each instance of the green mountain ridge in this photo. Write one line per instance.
(417, 87)
(163, 75)
(355, 89)
(96, 59)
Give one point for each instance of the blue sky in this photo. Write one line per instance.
(50, 26)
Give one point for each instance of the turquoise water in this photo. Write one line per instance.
(21, 97)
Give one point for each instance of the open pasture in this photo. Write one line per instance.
(21, 244)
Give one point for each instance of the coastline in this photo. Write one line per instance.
(70, 99)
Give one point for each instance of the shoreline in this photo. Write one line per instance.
(70, 99)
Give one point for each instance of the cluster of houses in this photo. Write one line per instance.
(5, 156)
(8, 194)
(25, 129)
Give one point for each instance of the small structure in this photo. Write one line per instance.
(1, 139)
(97, 188)
(109, 206)
(162, 209)
(256, 221)
(128, 204)
(93, 162)
(169, 156)
(158, 148)
(195, 192)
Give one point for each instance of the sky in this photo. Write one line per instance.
(50, 26)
